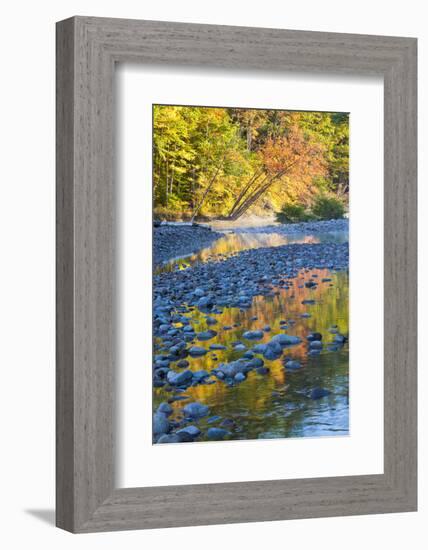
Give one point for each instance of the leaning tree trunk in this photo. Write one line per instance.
(207, 190)
(255, 195)
(243, 192)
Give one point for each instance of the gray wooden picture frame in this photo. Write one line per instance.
(87, 50)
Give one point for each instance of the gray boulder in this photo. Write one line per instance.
(179, 378)
(196, 410)
(239, 377)
(273, 350)
(206, 335)
(253, 335)
(196, 351)
(169, 438)
(217, 434)
(286, 339)
(160, 424)
(193, 431)
(165, 408)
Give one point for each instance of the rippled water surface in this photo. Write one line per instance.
(277, 404)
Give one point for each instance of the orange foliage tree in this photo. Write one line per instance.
(294, 156)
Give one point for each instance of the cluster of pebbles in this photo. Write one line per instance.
(210, 288)
(314, 227)
(173, 241)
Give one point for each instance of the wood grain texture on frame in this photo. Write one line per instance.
(87, 50)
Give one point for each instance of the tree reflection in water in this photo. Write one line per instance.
(277, 405)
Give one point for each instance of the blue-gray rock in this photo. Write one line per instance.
(162, 364)
(211, 321)
(273, 351)
(286, 340)
(239, 377)
(231, 369)
(240, 347)
(216, 434)
(182, 364)
(184, 437)
(217, 346)
(169, 438)
(196, 410)
(206, 335)
(174, 351)
(259, 348)
(312, 336)
(179, 378)
(193, 431)
(196, 351)
(256, 362)
(310, 284)
(199, 292)
(161, 424)
(165, 408)
(267, 328)
(319, 393)
(253, 335)
(206, 302)
(200, 375)
(340, 339)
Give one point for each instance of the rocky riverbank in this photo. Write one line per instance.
(313, 228)
(173, 241)
(233, 283)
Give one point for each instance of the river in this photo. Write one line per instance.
(275, 405)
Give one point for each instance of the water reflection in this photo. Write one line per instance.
(277, 405)
(231, 243)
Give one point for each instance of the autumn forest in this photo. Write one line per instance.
(211, 162)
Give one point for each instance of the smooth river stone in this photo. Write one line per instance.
(196, 410)
(179, 378)
(206, 335)
(286, 339)
(217, 433)
(196, 351)
(193, 431)
(253, 335)
(160, 424)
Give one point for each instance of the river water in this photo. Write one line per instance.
(276, 405)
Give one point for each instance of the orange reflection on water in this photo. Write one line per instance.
(258, 403)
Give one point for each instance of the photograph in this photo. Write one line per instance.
(250, 274)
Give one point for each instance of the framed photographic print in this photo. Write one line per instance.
(236, 274)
